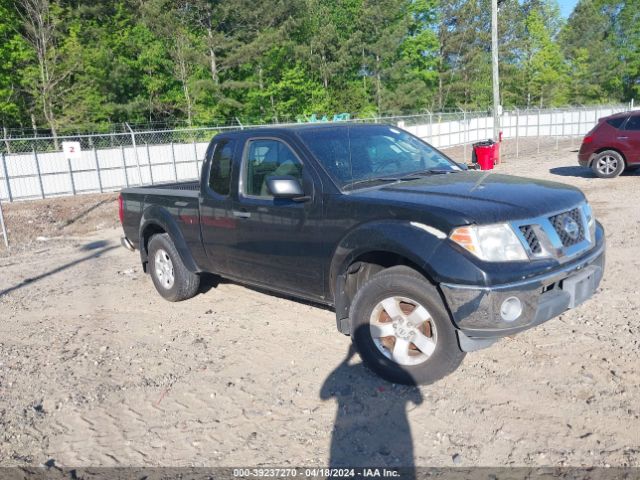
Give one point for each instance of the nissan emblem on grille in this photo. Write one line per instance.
(569, 227)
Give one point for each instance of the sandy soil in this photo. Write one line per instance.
(97, 369)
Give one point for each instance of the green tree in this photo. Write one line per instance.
(14, 54)
(629, 34)
(545, 68)
(587, 41)
(41, 28)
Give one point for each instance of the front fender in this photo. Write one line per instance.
(155, 217)
(424, 246)
(392, 236)
(407, 239)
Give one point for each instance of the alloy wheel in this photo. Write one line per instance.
(403, 331)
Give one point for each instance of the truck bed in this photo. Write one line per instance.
(183, 189)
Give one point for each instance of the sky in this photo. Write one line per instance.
(566, 7)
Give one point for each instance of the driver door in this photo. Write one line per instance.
(278, 243)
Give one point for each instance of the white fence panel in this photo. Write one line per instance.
(43, 174)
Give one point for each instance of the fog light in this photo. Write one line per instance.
(511, 309)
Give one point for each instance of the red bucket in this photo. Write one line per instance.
(485, 154)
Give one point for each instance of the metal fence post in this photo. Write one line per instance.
(6, 177)
(173, 159)
(538, 130)
(6, 139)
(35, 157)
(580, 122)
(556, 133)
(135, 152)
(517, 132)
(73, 185)
(195, 156)
(466, 133)
(149, 161)
(124, 166)
(4, 228)
(95, 157)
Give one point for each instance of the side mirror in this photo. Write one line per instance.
(285, 186)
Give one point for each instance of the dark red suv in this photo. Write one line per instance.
(612, 145)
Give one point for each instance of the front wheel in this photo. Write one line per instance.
(170, 277)
(401, 329)
(608, 164)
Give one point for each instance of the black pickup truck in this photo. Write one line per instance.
(422, 260)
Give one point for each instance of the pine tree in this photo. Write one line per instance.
(545, 69)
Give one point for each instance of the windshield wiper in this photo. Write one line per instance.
(431, 171)
(376, 179)
(402, 178)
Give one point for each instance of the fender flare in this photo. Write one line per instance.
(406, 239)
(156, 216)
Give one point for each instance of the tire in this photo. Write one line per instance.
(404, 291)
(608, 164)
(170, 277)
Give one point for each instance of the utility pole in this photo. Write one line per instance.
(494, 65)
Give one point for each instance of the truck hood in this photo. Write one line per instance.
(478, 197)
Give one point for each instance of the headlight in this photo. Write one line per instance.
(591, 221)
(491, 243)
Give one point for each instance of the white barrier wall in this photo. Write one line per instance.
(40, 175)
(514, 124)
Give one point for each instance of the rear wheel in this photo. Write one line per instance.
(170, 277)
(608, 164)
(402, 330)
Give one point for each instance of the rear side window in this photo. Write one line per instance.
(616, 122)
(220, 177)
(633, 123)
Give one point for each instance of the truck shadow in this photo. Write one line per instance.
(210, 281)
(371, 425)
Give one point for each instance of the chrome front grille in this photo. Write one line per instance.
(531, 238)
(562, 235)
(569, 227)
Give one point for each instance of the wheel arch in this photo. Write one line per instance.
(156, 220)
(604, 149)
(379, 246)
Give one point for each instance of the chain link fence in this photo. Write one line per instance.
(36, 167)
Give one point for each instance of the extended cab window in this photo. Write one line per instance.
(220, 177)
(266, 158)
(633, 123)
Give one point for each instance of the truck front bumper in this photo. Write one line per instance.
(483, 315)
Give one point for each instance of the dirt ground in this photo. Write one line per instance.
(97, 370)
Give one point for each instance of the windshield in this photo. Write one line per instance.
(359, 154)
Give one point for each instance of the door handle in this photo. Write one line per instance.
(181, 204)
(623, 138)
(239, 214)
